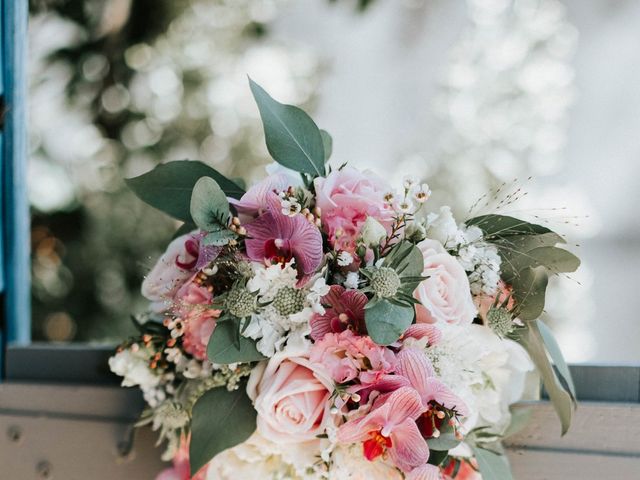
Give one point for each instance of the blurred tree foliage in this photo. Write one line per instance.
(118, 86)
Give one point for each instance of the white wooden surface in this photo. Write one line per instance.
(77, 432)
(603, 444)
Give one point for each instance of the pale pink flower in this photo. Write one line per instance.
(347, 197)
(445, 294)
(344, 310)
(390, 428)
(174, 268)
(278, 238)
(347, 357)
(254, 201)
(199, 324)
(192, 304)
(291, 396)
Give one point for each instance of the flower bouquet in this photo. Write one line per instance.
(322, 325)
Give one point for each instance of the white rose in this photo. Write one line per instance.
(443, 228)
(291, 396)
(445, 294)
(372, 232)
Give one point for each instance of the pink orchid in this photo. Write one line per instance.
(172, 270)
(419, 331)
(254, 201)
(345, 311)
(425, 472)
(414, 365)
(391, 427)
(278, 238)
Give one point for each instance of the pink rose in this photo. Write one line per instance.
(291, 396)
(347, 356)
(347, 197)
(445, 294)
(174, 268)
(192, 303)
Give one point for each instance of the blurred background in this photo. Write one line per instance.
(475, 95)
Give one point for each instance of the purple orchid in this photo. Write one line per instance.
(278, 238)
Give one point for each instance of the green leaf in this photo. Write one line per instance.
(209, 205)
(387, 321)
(327, 143)
(220, 420)
(554, 259)
(531, 339)
(498, 226)
(492, 466)
(168, 186)
(520, 417)
(218, 238)
(437, 457)
(529, 288)
(444, 443)
(293, 139)
(527, 242)
(409, 262)
(227, 346)
(556, 356)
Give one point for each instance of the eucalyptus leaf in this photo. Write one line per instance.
(168, 186)
(520, 417)
(499, 226)
(531, 339)
(293, 139)
(327, 143)
(411, 262)
(527, 242)
(556, 356)
(209, 205)
(219, 237)
(492, 466)
(445, 442)
(227, 346)
(529, 288)
(386, 321)
(437, 457)
(554, 259)
(220, 420)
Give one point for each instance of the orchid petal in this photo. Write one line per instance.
(425, 472)
(409, 449)
(414, 365)
(421, 330)
(442, 394)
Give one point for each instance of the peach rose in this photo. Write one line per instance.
(445, 294)
(291, 396)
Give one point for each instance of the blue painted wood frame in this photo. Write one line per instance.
(14, 206)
